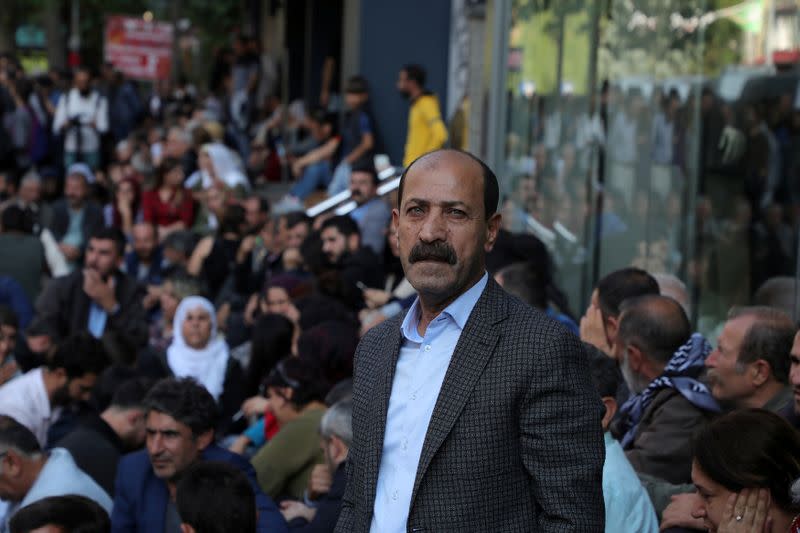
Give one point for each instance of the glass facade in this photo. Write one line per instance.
(659, 134)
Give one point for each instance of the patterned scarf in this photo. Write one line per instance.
(680, 374)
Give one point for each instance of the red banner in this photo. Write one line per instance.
(140, 49)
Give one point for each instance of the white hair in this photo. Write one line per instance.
(338, 421)
(672, 286)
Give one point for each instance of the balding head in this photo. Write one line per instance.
(655, 324)
(473, 167)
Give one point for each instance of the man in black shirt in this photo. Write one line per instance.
(99, 441)
(357, 266)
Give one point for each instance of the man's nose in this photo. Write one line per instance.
(433, 228)
(711, 360)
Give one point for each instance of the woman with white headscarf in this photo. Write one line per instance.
(198, 352)
(219, 165)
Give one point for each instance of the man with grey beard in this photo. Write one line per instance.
(661, 362)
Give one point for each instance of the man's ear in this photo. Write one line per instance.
(354, 242)
(611, 409)
(186, 528)
(760, 371)
(205, 439)
(340, 449)
(612, 327)
(635, 357)
(492, 229)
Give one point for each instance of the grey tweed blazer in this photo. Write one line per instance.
(515, 441)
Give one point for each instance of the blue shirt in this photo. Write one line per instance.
(421, 368)
(59, 476)
(97, 320)
(628, 507)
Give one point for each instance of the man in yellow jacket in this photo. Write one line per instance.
(426, 129)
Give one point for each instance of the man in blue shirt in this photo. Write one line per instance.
(372, 214)
(628, 507)
(181, 416)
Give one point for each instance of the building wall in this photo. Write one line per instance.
(393, 34)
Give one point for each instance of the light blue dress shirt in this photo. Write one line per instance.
(628, 507)
(421, 368)
(97, 320)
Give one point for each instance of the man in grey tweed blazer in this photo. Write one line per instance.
(474, 412)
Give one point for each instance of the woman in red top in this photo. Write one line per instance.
(169, 205)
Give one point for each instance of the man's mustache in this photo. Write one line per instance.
(437, 251)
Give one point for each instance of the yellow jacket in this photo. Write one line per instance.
(426, 130)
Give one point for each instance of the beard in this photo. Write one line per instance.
(61, 395)
(635, 383)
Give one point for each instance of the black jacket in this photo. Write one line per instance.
(92, 219)
(96, 448)
(64, 307)
(328, 508)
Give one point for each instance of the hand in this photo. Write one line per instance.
(370, 321)
(239, 445)
(297, 169)
(248, 243)
(71, 253)
(320, 481)
(250, 310)
(746, 512)
(101, 292)
(375, 297)
(255, 406)
(679, 512)
(292, 509)
(7, 371)
(594, 332)
(152, 298)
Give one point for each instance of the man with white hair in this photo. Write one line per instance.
(336, 431)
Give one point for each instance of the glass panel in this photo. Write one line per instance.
(658, 134)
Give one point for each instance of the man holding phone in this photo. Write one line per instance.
(99, 299)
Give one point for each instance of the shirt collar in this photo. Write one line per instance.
(458, 310)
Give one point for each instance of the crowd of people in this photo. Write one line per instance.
(177, 351)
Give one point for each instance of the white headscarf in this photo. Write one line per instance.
(227, 165)
(207, 365)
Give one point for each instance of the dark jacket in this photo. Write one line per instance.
(64, 307)
(140, 498)
(96, 448)
(328, 508)
(662, 445)
(92, 219)
(515, 442)
(155, 276)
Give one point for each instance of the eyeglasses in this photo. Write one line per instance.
(285, 378)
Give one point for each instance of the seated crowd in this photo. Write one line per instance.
(187, 366)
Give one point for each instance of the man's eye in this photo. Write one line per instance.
(456, 213)
(416, 210)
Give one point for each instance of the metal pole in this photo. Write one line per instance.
(75, 35)
(497, 94)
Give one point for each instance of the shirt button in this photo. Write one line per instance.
(414, 396)
(405, 445)
(427, 347)
(394, 496)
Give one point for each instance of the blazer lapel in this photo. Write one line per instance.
(474, 348)
(382, 377)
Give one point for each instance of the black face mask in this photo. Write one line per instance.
(85, 92)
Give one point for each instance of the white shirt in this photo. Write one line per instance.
(92, 112)
(25, 400)
(421, 368)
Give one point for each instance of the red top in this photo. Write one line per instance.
(167, 213)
